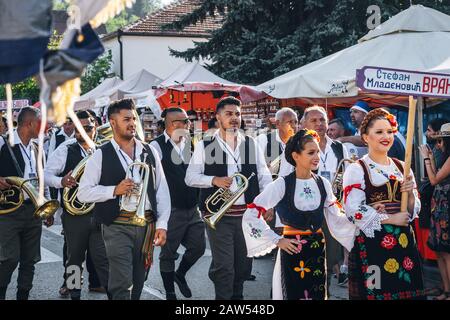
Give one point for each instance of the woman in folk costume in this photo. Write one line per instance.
(302, 200)
(384, 262)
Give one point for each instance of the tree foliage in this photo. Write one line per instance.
(262, 39)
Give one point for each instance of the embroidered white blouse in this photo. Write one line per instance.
(260, 239)
(366, 218)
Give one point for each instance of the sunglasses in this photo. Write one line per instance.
(185, 121)
(87, 128)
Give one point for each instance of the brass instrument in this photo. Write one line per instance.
(70, 200)
(134, 203)
(104, 133)
(220, 201)
(274, 166)
(338, 180)
(12, 199)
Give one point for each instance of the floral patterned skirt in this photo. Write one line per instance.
(303, 275)
(439, 237)
(385, 267)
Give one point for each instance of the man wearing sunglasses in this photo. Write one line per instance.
(81, 231)
(185, 226)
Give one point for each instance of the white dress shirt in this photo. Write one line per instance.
(29, 159)
(90, 191)
(196, 178)
(262, 141)
(327, 165)
(52, 144)
(329, 161)
(177, 147)
(56, 164)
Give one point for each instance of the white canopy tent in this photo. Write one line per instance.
(137, 84)
(415, 39)
(194, 77)
(87, 100)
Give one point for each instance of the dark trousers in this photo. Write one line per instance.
(230, 266)
(20, 244)
(83, 233)
(185, 227)
(126, 263)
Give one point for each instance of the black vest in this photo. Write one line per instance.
(112, 174)
(216, 165)
(59, 138)
(73, 158)
(181, 196)
(7, 167)
(272, 145)
(338, 149)
(291, 216)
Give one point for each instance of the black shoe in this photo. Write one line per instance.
(2, 293)
(182, 285)
(171, 296)
(342, 279)
(252, 277)
(22, 294)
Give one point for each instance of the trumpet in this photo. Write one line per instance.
(220, 201)
(104, 133)
(70, 200)
(337, 182)
(134, 203)
(274, 166)
(12, 199)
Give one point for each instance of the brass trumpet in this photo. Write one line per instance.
(337, 182)
(104, 134)
(12, 199)
(135, 202)
(70, 200)
(220, 201)
(274, 166)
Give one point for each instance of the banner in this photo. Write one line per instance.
(403, 82)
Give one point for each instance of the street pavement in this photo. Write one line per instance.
(49, 276)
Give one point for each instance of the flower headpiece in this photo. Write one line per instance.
(393, 121)
(313, 134)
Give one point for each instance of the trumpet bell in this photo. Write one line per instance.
(220, 201)
(47, 209)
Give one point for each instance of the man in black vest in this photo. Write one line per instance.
(129, 245)
(331, 153)
(20, 231)
(273, 144)
(213, 163)
(185, 224)
(62, 134)
(81, 231)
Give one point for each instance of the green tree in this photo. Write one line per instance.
(140, 9)
(262, 39)
(96, 72)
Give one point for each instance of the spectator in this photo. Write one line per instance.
(439, 238)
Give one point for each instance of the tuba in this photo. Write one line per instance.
(134, 204)
(337, 182)
(220, 201)
(70, 200)
(12, 198)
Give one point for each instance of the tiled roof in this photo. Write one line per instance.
(151, 25)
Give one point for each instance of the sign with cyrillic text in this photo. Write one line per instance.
(403, 82)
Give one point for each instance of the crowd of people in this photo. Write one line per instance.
(323, 202)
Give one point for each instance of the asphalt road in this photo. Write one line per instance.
(48, 276)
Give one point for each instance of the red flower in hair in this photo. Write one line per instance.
(393, 121)
(313, 134)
